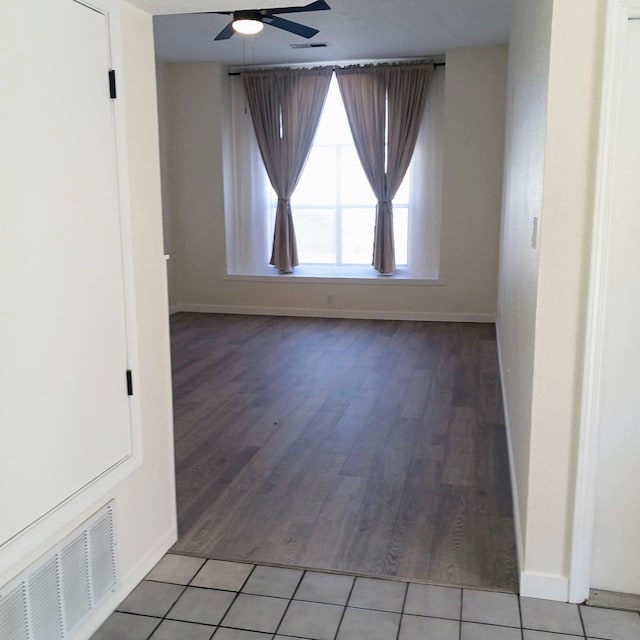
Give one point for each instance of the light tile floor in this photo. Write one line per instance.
(185, 598)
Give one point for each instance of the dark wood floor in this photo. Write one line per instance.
(373, 447)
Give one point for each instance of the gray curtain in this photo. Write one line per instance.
(285, 108)
(384, 106)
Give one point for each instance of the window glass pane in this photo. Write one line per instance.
(354, 186)
(333, 127)
(401, 234)
(315, 234)
(357, 235)
(402, 195)
(334, 197)
(317, 184)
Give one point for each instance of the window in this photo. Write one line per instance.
(333, 205)
(334, 215)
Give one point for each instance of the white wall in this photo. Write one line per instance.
(475, 103)
(527, 86)
(551, 150)
(145, 502)
(195, 173)
(571, 150)
(197, 107)
(164, 134)
(147, 513)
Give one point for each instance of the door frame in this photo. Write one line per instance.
(619, 12)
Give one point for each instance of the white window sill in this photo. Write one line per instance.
(320, 274)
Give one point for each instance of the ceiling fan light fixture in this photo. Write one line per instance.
(247, 23)
(252, 21)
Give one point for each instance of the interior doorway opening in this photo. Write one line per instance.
(370, 447)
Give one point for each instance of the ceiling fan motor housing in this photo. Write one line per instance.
(250, 21)
(248, 14)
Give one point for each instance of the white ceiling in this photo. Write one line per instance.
(162, 7)
(353, 30)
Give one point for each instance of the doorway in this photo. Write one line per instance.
(607, 523)
(369, 447)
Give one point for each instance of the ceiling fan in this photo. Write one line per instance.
(252, 21)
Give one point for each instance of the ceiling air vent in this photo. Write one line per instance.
(308, 45)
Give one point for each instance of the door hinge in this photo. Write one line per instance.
(112, 84)
(129, 383)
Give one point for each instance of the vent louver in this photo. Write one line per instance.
(309, 45)
(13, 614)
(74, 561)
(54, 596)
(43, 588)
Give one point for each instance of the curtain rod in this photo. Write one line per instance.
(237, 71)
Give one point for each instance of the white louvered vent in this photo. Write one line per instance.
(13, 614)
(50, 599)
(76, 594)
(43, 588)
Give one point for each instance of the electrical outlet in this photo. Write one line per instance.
(330, 298)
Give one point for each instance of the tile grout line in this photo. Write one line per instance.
(344, 609)
(190, 584)
(404, 604)
(197, 573)
(173, 604)
(233, 601)
(166, 613)
(520, 616)
(290, 600)
(460, 614)
(295, 591)
(284, 615)
(584, 627)
(155, 629)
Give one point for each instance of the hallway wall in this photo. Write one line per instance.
(145, 501)
(556, 59)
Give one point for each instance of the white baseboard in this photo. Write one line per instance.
(337, 313)
(128, 583)
(174, 308)
(532, 585)
(517, 521)
(544, 586)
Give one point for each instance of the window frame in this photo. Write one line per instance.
(249, 220)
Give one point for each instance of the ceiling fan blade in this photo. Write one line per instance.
(292, 27)
(320, 5)
(226, 33)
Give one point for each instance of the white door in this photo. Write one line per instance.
(64, 409)
(616, 543)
